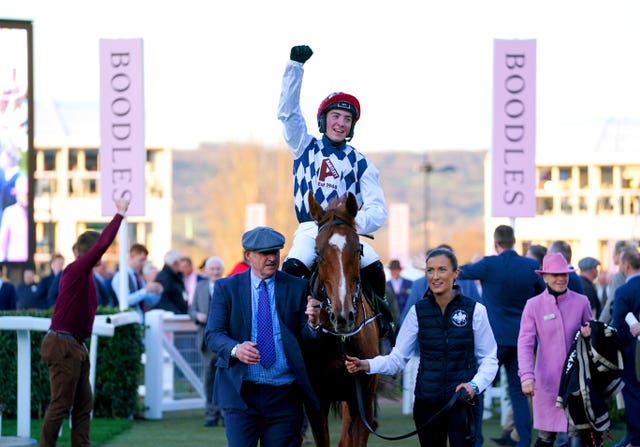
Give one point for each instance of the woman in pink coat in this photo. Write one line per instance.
(550, 321)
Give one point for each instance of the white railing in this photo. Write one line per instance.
(158, 376)
(104, 326)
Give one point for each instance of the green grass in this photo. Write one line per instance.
(185, 428)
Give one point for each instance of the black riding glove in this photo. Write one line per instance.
(301, 53)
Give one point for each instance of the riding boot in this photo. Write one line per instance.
(374, 281)
(373, 276)
(296, 267)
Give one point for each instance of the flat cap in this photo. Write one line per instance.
(262, 239)
(588, 263)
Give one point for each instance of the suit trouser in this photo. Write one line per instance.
(273, 417)
(508, 356)
(631, 395)
(212, 411)
(68, 362)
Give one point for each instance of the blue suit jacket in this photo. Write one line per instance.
(626, 300)
(229, 323)
(508, 281)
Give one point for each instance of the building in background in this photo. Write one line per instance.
(67, 186)
(588, 198)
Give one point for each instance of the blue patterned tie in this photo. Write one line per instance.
(266, 344)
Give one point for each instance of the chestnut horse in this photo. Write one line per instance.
(348, 322)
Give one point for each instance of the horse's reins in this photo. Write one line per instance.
(456, 396)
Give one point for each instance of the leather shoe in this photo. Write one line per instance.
(504, 441)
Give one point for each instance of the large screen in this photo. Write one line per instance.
(16, 143)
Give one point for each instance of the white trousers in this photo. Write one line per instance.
(304, 246)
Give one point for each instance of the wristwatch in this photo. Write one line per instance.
(233, 350)
(476, 390)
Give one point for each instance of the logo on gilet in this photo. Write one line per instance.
(327, 170)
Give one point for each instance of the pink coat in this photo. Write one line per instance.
(553, 325)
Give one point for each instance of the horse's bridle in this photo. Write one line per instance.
(325, 304)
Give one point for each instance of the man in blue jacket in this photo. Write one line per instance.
(257, 321)
(508, 281)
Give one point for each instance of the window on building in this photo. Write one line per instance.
(544, 176)
(91, 159)
(631, 177)
(606, 177)
(49, 159)
(564, 178)
(73, 160)
(584, 177)
(604, 205)
(544, 205)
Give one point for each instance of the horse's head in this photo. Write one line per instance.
(339, 250)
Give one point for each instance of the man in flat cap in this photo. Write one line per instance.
(257, 322)
(588, 273)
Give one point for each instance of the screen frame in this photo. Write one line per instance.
(27, 26)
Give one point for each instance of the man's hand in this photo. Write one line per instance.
(313, 311)
(247, 353)
(301, 53)
(154, 287)
(122, 205)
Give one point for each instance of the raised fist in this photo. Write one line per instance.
(301, 53)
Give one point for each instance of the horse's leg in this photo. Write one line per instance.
(346, 439)
(319, 423)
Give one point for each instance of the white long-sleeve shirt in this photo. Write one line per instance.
(485, 348)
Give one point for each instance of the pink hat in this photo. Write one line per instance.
(554, 263)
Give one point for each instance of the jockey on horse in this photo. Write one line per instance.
(330, 168)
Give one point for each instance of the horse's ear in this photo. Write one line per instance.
(315, 209)
(352, 204)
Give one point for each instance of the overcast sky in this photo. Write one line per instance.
(421, 70)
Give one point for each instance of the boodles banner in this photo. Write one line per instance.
(514, 129)
(122, 149)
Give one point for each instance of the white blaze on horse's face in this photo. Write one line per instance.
(339, 241)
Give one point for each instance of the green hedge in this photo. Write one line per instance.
(118, 370)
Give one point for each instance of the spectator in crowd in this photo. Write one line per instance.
(63, 349)
(174, 296)
(149, 271)
(199, 312)
(465, 361)
(27, 291)
(56, 265)
(103, 277)
(261, 379)
(508, 281)
(241, 266)
(536, 252)
(8, 298)
(616, 280)
(601, 287)
(189, 276)
(400, 286)
(588, 273)
(141, 294)
(564, 249)
(627, 301)
(547, 328)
